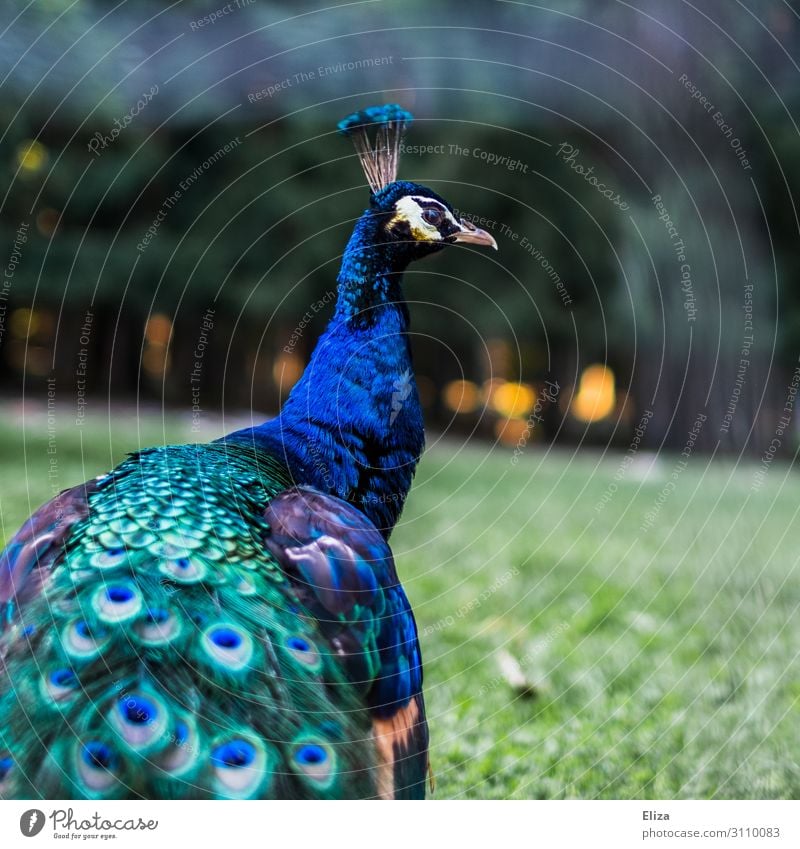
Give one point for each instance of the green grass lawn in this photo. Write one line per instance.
(656, 663)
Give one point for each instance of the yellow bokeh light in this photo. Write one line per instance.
(23, 323)
(31, 156)
(513, 400)
(158, 329)
(596, 394)
(461, 396)
(155, 360)
(489, 388)
(513, 431)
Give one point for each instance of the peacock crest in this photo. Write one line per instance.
(377, 133)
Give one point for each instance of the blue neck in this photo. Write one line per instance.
(352, 425)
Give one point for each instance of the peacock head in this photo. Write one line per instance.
(409, 219)
(416, 221)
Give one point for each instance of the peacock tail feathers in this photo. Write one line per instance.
(168, 655)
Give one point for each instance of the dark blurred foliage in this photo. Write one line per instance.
(258, 235)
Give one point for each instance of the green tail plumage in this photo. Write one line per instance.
(168, 656)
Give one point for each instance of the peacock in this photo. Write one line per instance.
(225, 620)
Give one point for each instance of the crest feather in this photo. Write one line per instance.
(377, 132)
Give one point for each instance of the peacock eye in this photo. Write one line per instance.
(432, 216)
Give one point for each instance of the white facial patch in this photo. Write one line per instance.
(410, 209)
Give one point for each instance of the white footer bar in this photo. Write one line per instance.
(353, 825)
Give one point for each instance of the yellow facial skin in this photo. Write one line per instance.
(410, 211)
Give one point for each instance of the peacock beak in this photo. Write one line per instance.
(473, 235)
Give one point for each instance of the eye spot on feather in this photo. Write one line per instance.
(314, 760)
(117, 602)
(182, 755)
(140, 721)
(81, 642)
(158, 626)
(234, 754)
(303, 650)
(228, 646)
(184, 570)
(109, 559)
(63, 678)
(97, 755)
(96, 763)
(311, 755)
(298, 644)
(242, 767)
(226, 638)
(139, 711)
(61, 685)
(6, 764)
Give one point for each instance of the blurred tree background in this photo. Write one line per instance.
(212, 125)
